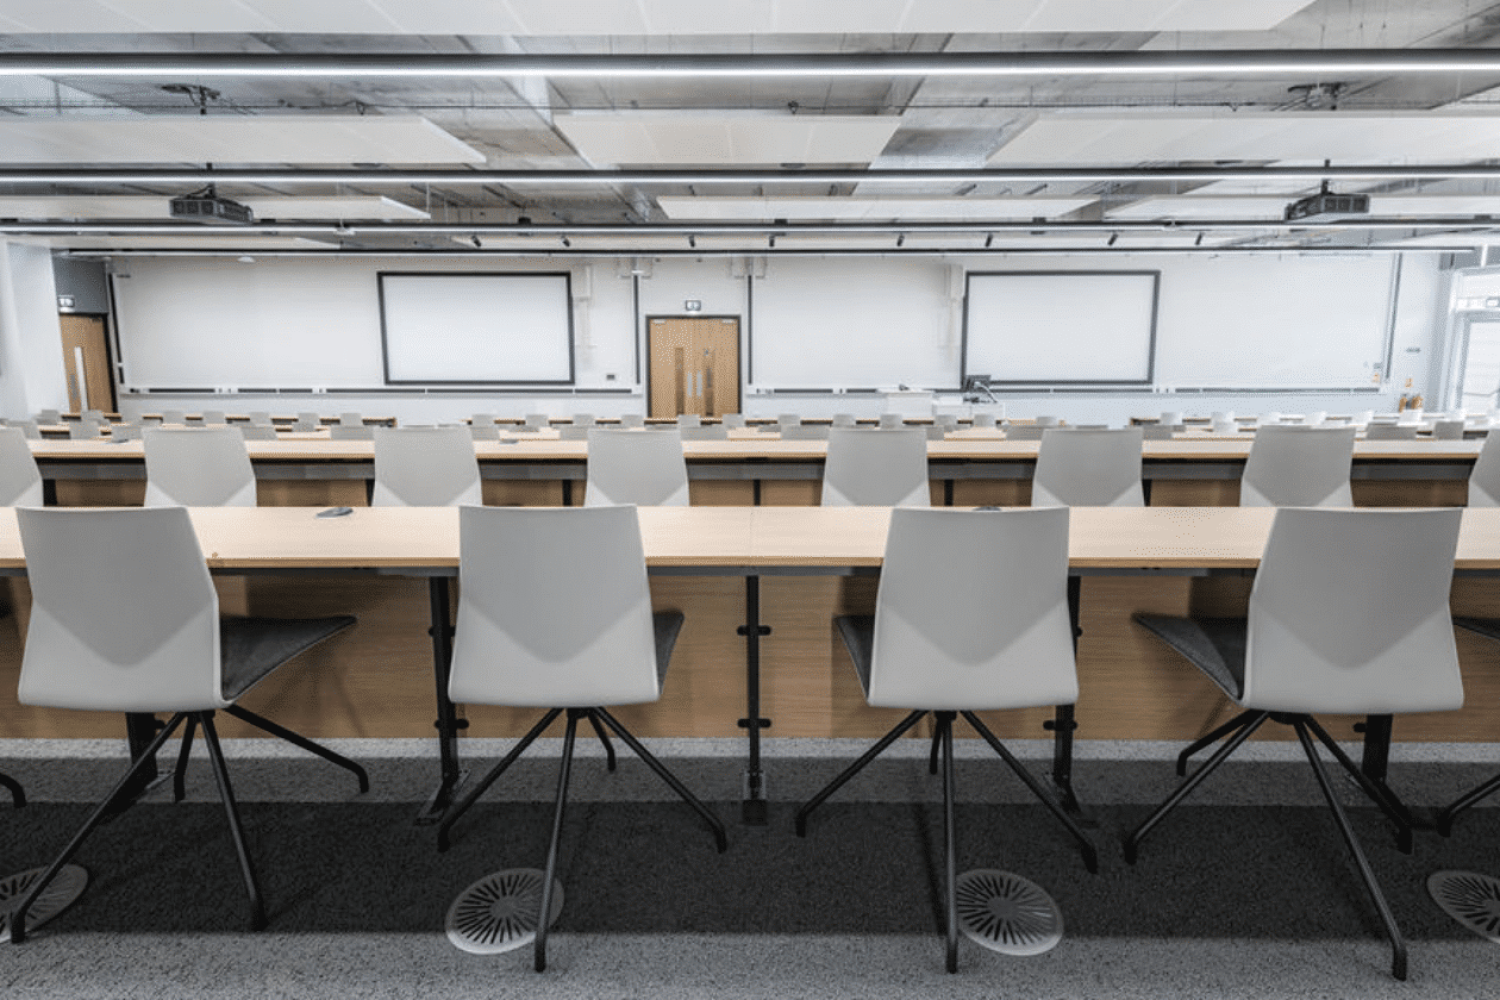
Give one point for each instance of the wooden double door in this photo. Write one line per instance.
(694, 365)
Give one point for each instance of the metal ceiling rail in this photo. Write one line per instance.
(373, 229)
(1210, 62)
(30, 176)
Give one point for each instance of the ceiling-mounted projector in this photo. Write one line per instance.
(207, 206)
(1326, 204)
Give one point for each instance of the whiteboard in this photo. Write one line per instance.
(1061, 327)
(476, 328)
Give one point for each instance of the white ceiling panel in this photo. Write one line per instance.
(638, 17)
(703, 139)
(1433, 206)
(856, 209)
(306, 139)
(218, 241)
(135, 207)
(1347, 137)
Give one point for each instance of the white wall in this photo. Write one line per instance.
(31, 356)
(809, 323)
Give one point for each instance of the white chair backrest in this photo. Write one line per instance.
(20, 481)
(890, 421)
(28, 428)
(1391, 432)
(554, 608)
(1298, 467)
(482, 420)
(996, 633)
(255, 432)
(214, 418)
(1088, 468)
(124, 616)
(49, 416)
(348, 432)
(1484, 480)
(307, 421)
(627, 467)
(583, 420)
(868, 467)
(805, 432)
(732, 421)
(708, 432)
(538, 420)
(84, 430)
(1448, 430)
(983, 419)
(351, 419)
(785, 420)
(425, 467)
(843, 420)
(261, 418)
(632, 420)
(198, 467)
(1349, 613)
(689, 420)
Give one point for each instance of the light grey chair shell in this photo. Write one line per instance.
(584, 420)
(84, 430)
(197, 467)
(805, 432)
(123, 431)
(49, 416)
(1088, 468)
(632, 420)
(984, 419)
(868, 467)
(708, 432)
(214, 418)
(1484, 480)
(1292, 466)
(554, 609)
(1024, 432)
(425, 467)
(844, 420)
(348, 432)
(1448, 430)
(307, 421)
(20, 480)
(261, 418)
(785, 420)
(689, 420)
(258, 432)
(628, 467)
(891, 421)
(570, 433)
(732, 421)
(996, 634)
(351, 419)
(28, 428)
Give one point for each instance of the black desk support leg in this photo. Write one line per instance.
(1063, 723)
(140, 732)
(753, 809)
(448, 723)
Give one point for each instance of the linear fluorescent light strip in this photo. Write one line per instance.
(1217, 63)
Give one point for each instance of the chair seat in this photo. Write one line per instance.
(1215, 646)
(667, 625)
(253, 647)
(858, 632)
(1488, 627)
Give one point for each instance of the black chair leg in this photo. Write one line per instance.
(1090, 854)
(1450, 813)
(472, 796)
(937, 746)
(609, 748)
(17, 793)
(298, 740)
(1377, 791)
(232, 813)
(539, 946)
(146, 759)
(855, 768)
(950, 843)
(1207, 741)
(1398, 946)
(714, 823)
(1133, 842)
(179, 775)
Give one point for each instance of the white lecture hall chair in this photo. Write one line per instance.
(1088, 468)
(425, 467)
(996, 635)
(1298, 467)
(555, 614)
(156, 645)
(1348, 615)
(197, 467)
(626, 467)
(872, 467)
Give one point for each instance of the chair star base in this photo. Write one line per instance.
(1239, 730)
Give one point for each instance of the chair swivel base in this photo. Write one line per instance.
(60, 893)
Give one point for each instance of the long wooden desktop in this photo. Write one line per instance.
(742, 545)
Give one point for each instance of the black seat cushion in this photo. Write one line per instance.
(858, 632)
(667, 624)
(1215, 646)
(1487, 627)
(250, 648)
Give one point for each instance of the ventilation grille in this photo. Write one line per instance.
(1007, 913)
(498, 913)
(1470, 898)
(58, 896)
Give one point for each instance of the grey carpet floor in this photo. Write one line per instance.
(1245, 892)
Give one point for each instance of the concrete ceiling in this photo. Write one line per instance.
(971, 126)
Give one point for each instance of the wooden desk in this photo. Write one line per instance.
(733, 542)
